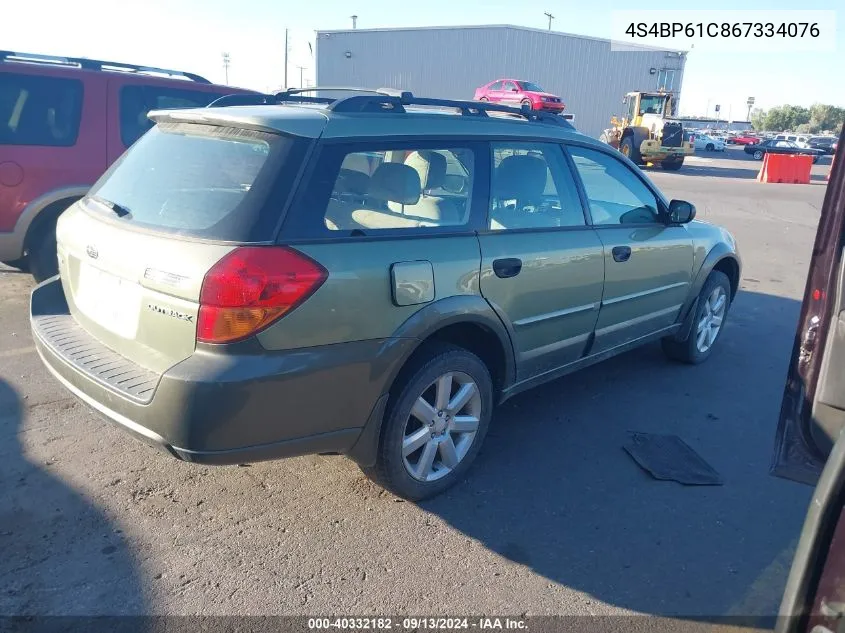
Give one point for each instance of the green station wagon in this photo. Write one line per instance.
(367, 275)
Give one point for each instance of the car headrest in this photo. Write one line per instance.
(520, 178)
(352, 181)
(431, 166)
(396, 182)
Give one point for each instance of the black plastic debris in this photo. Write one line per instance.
(668, 457)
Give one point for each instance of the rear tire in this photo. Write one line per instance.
(484, 99)
(709, 147)
(628, 149)
(758, 155)
(673, 164)
(42, 256)
(404, 473)
(710, 315)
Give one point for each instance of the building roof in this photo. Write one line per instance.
(514, 27)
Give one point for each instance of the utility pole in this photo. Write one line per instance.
(301, 68)
(551, 17)
(354, 21)
(226, 66)
(286, 61)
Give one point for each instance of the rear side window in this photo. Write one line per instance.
(39, 110)
(376, 189)
(137, 101)
(202, 181)
(532, 187)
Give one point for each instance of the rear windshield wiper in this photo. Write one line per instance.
(118, 210)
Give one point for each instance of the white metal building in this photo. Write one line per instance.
(451, 62)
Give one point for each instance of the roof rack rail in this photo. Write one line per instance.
(397, 101)
(95, 64)
(388, 100)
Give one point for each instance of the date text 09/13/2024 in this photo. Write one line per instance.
(416, 623)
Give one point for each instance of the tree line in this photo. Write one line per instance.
(817, 118)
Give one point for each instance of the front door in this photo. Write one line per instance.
(648, 265)
(542, 266)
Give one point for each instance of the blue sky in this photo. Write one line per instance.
(192, 34)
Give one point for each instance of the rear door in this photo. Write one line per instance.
(542, 265)
(510, 93)
(51, 135)
(810, 439)
(648, 265)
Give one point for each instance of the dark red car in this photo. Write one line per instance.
(810, 439)
(517, 92)
(63, 121)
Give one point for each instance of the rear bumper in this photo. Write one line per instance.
(217, 408)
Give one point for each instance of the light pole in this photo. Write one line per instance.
(750, 104)
(226, 60)
(551, 17)
(354, 21)
(301, 68)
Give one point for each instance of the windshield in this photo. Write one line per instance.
(527, 85)
(652, 104)
(201, 181)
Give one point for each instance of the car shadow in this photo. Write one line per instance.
(554, 491)
(47, 569)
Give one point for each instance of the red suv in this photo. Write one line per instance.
(63, 121)
(518, 92)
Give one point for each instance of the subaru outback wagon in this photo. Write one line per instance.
(368, 276)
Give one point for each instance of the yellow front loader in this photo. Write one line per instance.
(647, 134)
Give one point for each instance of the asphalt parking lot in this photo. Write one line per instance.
(555, 518)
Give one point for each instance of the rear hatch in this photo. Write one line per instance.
(134, 253)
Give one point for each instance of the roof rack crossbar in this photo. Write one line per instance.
(97, 64)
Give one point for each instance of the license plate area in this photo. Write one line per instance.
(110, 301)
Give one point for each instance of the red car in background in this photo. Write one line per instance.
(63, 121)
(517, 92)
(743, 139)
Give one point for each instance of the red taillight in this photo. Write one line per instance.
(251, 287)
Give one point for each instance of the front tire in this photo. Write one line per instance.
(628, 149)
(714, 301)
(709, 147)
(436, 420)
(673, 165)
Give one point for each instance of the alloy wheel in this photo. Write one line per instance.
(711, 319)
(441, 427)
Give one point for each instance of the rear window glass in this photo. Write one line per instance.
(137, 101)
(39, 110)
(202, 181)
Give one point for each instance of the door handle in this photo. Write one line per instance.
(507, 267)
(621, 253)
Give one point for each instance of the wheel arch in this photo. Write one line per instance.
(467, 321)
(45, 208)
(722, 258)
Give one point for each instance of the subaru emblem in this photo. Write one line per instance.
(92, 252)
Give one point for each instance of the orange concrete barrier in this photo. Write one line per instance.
(786, 168)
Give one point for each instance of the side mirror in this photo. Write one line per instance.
(681, 212)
